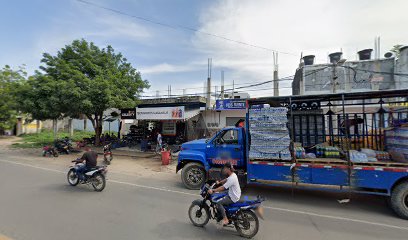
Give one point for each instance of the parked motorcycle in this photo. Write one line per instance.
(242, 214)
(95, 176)
(180, 140)
(49, 151)
(107, 154)
(62, 147)
(80, 144)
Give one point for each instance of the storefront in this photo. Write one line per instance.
(175, 118)
(127, 120)
(227, 113)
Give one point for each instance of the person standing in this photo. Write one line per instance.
(159, 139)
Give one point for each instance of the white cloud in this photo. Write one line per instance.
(111, 26)
(169, 68)
(85, 23)
(312, 27)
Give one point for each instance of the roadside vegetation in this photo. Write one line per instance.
(46, 137)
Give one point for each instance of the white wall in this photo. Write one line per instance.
(217, 120)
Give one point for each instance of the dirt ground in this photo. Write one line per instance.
(130, 162)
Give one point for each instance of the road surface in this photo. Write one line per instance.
(36, 203)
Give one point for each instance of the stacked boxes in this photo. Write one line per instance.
(269, 133)
(397, 143)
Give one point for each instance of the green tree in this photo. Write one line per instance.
(9, 80)
(40, 96)
(396, 49)
(89, 80)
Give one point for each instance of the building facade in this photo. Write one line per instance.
(363, 75)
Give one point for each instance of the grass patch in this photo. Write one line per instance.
(35, 140)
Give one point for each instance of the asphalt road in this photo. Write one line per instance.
(36, 203)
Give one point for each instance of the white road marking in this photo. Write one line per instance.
(191, 194)
(336, 218)
(154, 188)
(33, 166)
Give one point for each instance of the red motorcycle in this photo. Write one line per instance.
(50, 151)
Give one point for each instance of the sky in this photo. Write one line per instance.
(178, 57)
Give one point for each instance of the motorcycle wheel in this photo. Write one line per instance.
(72, 177)
(107, 160)
(247, 224)
(98, 182)
(197, 217)
(55, 154)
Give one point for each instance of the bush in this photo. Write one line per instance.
(46, 137)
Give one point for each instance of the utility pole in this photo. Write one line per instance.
(275, 75)
(233, 88)
(334, 78)
(208, 100)
(222, 84)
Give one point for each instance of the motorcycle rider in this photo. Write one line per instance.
(90, 157)
(234, 190)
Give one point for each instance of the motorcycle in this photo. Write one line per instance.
(242, 214)
(107, 154)
(50, 151)
(62, 147)
(80, 144)
(95, 176)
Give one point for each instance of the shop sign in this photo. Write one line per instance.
(169, 128)
(230, 104)
(160, 113)
(128, 113)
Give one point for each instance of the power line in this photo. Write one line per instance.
(183, 28)
(288, 78)
(253, 90)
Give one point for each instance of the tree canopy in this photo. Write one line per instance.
(83, 79)
(9, 80)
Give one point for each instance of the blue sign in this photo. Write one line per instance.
(230, 104)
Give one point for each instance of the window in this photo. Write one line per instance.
(228, 137)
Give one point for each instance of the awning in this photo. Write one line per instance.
(111, 119)
(191, 113)
(166, 113)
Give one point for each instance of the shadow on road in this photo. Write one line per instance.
(67, 188)
(176, 229)
(322, 199)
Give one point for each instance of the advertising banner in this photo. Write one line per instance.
(129, 113)
(160, 113)
(230, 104)
(169, 128)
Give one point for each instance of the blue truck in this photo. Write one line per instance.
(346, 121)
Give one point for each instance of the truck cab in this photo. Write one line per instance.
(202, 159)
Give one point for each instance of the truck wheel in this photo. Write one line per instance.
(193, 175)
(399, 200)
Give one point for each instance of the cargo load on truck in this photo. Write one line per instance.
(269, 133)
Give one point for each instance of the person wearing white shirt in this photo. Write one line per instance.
(159, 139)
(234, 190)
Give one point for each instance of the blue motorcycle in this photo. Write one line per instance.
(242, 214)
